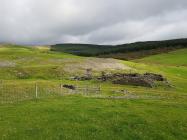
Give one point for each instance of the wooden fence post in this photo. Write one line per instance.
(1, 90)
(85, 92)
(99, 89)
(36, 90)
(61, 87)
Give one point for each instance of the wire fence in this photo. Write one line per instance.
(11, 93)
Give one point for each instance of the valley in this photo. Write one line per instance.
(116, 111)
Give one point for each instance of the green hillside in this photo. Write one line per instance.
(178, 58)
(18, 62)
(142, 113)
(124, 51)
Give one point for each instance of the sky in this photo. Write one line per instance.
(45, 22)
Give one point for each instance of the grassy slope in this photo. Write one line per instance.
(28, 60)
(172, 64)
(39, 62)
(178, 58)
(78, 117)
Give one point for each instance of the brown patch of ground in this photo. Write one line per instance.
(7, 64)
(96, 64)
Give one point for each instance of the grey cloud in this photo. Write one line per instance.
(91, 21)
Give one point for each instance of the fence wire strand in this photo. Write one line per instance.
(12, 93)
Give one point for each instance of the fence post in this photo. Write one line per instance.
(87, 90)
(1, 91)
(36, 90)
(125, 91)
(61, 86)
(99, 89)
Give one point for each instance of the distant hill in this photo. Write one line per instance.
(123, 51)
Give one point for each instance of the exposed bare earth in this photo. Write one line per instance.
(6, 64)
(96, 64)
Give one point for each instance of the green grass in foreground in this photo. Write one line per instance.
(77, 117)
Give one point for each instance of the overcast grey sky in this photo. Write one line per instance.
(91, 21)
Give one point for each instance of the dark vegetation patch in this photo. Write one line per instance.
(135, 79)
(124, 51)
(139, 54)
(69, 87)
(146, 80)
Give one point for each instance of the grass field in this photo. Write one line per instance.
(87, 118)
(175, 58)
(146, 113)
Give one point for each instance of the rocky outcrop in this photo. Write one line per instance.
(135, 79)
(146, 80)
